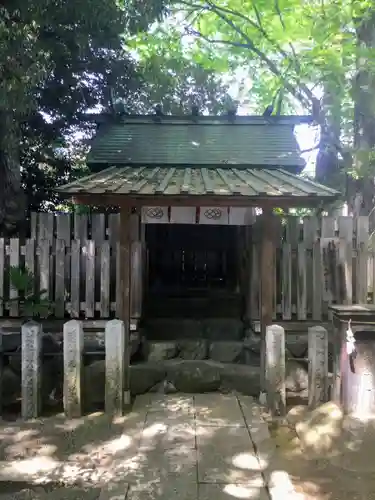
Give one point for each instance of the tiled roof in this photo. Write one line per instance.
(198, 181)
(250, 141)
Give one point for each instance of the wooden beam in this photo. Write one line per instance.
(267, 283)
(107, 199)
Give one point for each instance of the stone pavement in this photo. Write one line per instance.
(186, 447)
(198, 447)
(179, 446)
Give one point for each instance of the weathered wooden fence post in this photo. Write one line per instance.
(31, 346)
(73, 349)
(275, 369)
(117, 393)
(318, 365)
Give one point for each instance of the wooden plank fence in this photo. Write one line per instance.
(318, 262)
(74, 257)
(67, 273)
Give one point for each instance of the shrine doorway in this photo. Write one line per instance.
(184, 257)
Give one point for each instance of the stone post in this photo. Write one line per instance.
(117, 393)
(318, 365)
(73, 349)
(275, 369)
(31, 347)
(267, 285)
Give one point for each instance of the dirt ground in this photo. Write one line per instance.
(333, 460)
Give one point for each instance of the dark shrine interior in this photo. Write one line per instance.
(184, 257)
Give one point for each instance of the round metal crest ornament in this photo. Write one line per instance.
(213, 213)
(155, 213)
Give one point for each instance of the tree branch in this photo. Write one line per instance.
(279, 13)
(215, 8)
(257, 14)
(303, 94)
(303, 99)
(300, 91)
(313, 148)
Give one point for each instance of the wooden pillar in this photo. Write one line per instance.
(136, 278)
(267, 284)
(247, 288)
(123, 276)
(1, 370)
(124, 290)
(239, 263)
(144, 259)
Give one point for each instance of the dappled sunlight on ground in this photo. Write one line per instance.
(327, 467)
(159, 450)
(79, 451)
(201, 447)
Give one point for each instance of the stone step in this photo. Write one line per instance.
(184, 327)
(200, 349)
(178, 375)
(216, 305)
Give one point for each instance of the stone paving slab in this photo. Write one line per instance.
(218, 410)
(159, 465)
(171, 403)
(179, 489)
(167, 433)
(117, 491)
(251, 410)
(227, 455)
(168, 417)
(58, 493)
(231, 492)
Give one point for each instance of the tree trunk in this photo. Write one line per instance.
(327, 163)
(362, 196)
(12, 206)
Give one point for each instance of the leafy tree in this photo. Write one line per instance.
(314, 56)
(72, 54)
(57, 57)
(174, 80)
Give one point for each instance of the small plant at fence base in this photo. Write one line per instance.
(33, 303)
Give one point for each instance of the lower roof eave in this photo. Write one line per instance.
(108, 199)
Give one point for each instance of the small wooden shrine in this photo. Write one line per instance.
(191, 182)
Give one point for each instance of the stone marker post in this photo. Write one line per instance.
(117, 393)
(73, 349)
(31, 347)
(275, 369)
(318, 365)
